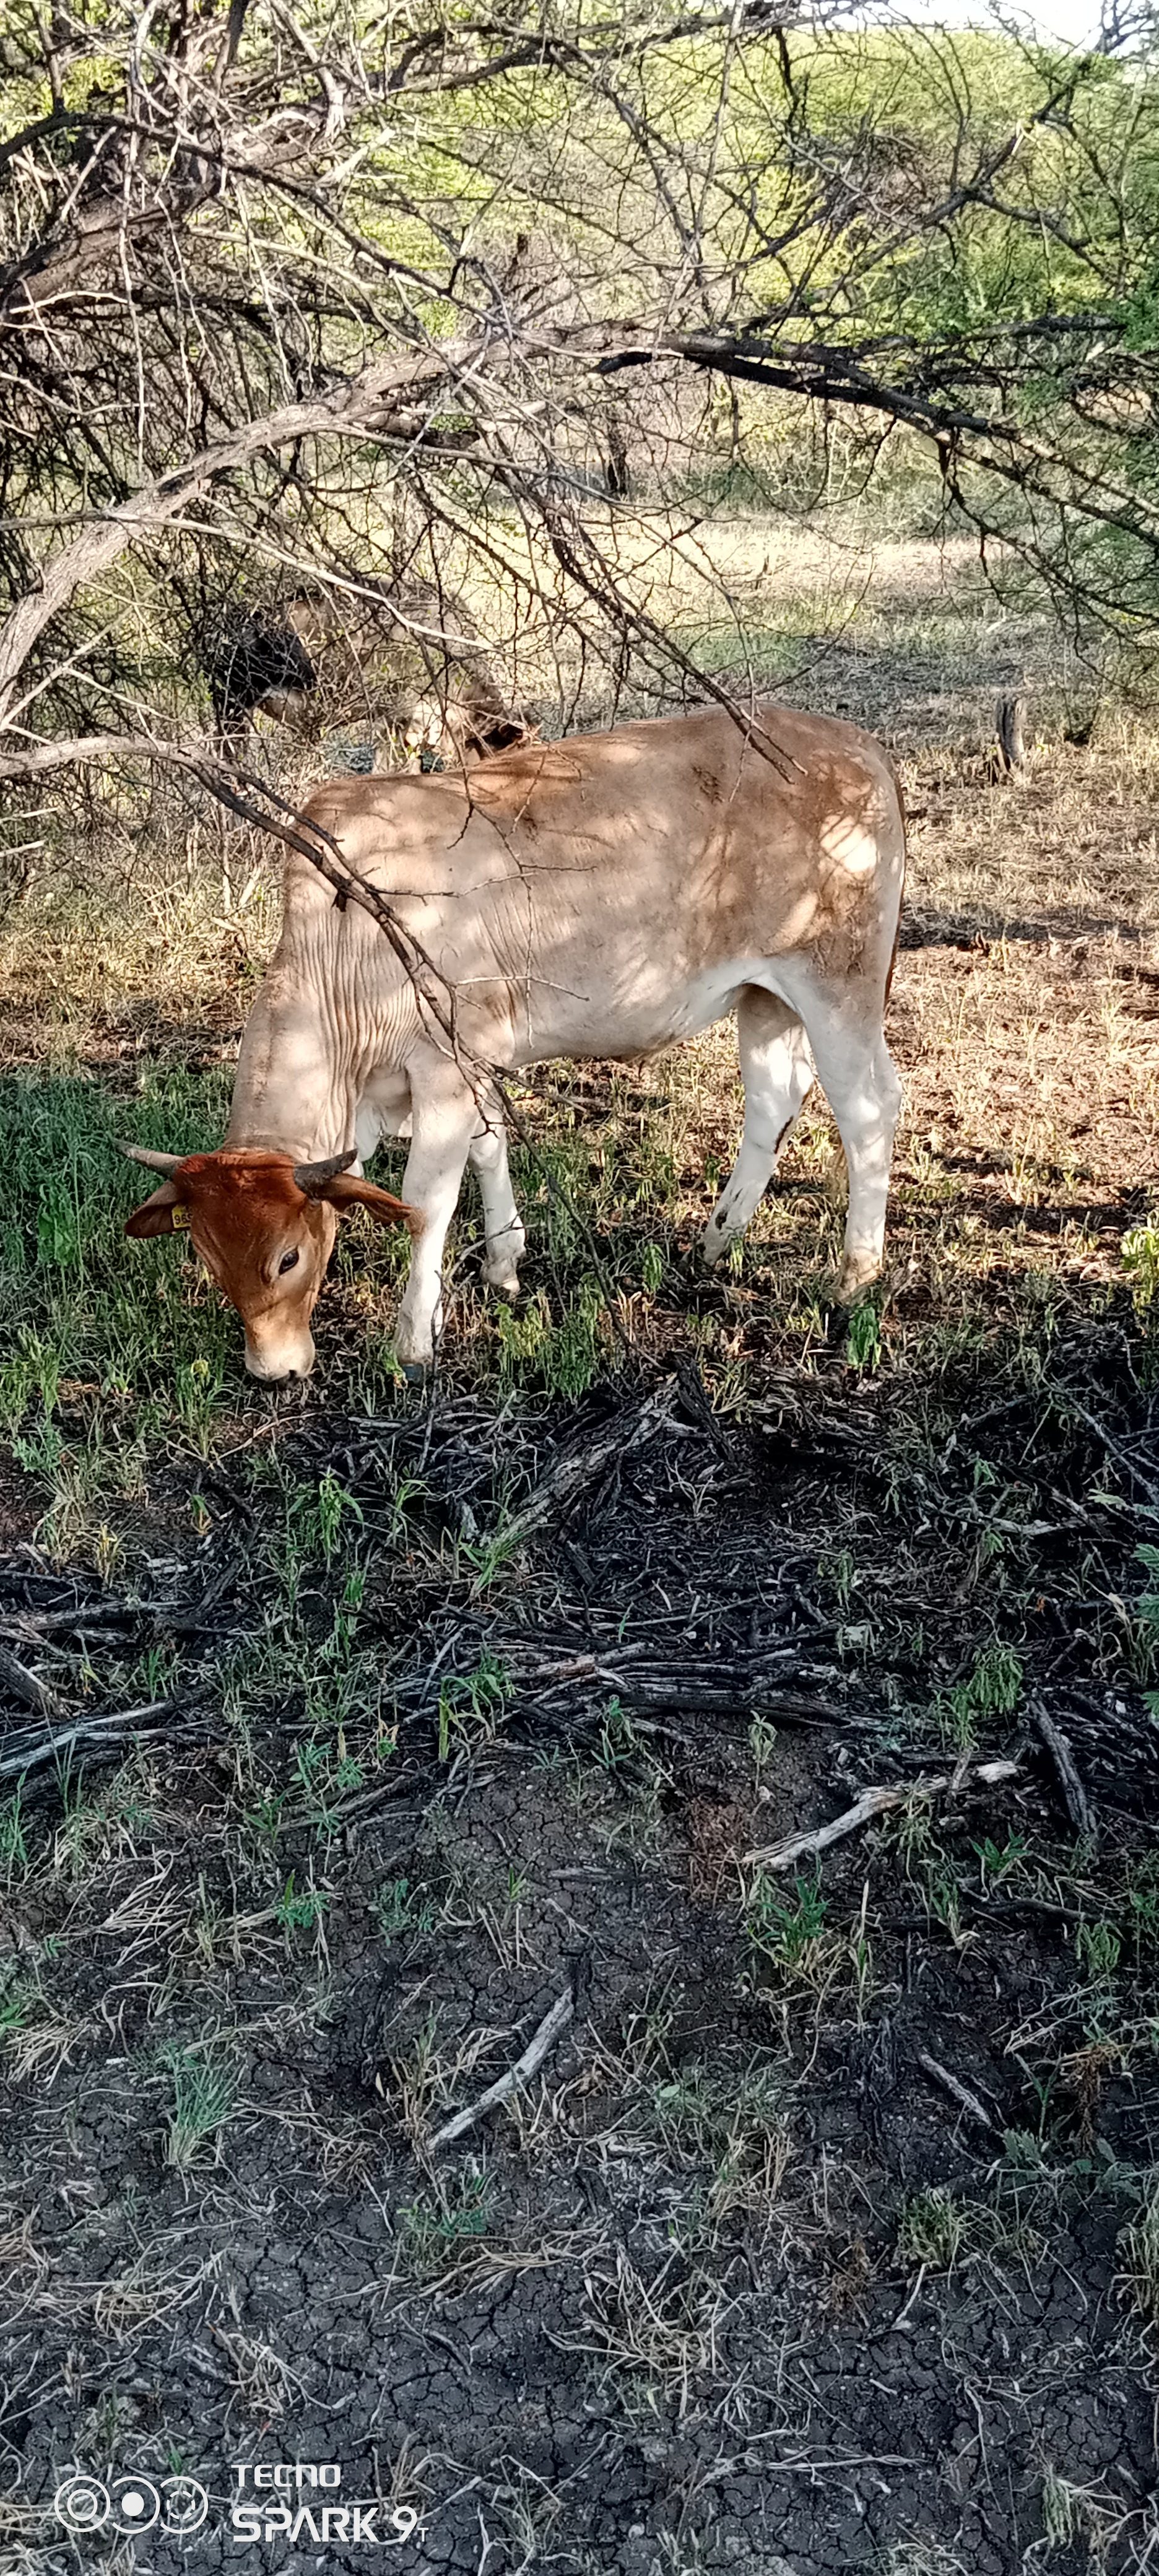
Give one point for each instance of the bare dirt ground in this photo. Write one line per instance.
(346, 1738)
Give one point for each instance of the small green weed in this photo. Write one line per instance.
(1141, 1903)
(1089, 2519)
(204, 2098)
(1148, 1610)
(471, 1704)
(403, 1908)
(563, 1357)
(13, 1843)
(328, 1775)
(698, 2107)
(1139, 2254)
(993, 1689)
(433, 2230)
(763, 1738)
(18, 1998)
(1099, 1948)
(196, 1400)
(1140, 1250)
(863, 1343)
(487, 1557)
(334, 1507)
(931, 2230)
(787, 1930)
(619, 1741)
(1001, 1860)
(930, 1867)
(314, 1518)
(299, 1909)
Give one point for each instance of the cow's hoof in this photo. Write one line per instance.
(416, 1372)
(503, 1283)
(855, 1277)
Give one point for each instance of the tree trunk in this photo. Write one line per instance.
(617, 463)
(1010, 717)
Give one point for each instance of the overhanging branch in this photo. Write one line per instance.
(357, 407)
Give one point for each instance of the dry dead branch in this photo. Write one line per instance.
(26, 1686)
(877, 1802)
(1058, 1747)
(551, 2028)
(578, 1469)
(958, 2092)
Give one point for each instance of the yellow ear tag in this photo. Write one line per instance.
(180, 1219)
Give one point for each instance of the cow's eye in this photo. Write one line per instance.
(287, 1262)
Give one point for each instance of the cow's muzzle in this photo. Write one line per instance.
(273, 1367)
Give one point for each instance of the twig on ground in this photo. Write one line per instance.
(219, 1484)
(1058, 1747)
(958, 2092)
(26, 1752)
(550, 2029)
(580, 1467)
(903, 2323)
(1114, 1447)
(27, 1686)
(874, 1802)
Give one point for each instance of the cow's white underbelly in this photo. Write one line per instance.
(639, 1024)
(636, 1028)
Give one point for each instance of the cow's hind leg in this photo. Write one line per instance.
(777, 1071)
(502, 1224)
(860, 1082)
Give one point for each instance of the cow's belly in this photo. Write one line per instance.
(635, 1023)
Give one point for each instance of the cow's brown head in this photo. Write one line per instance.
(264, 1226)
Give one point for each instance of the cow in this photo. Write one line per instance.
(403, 658)
(604, 895)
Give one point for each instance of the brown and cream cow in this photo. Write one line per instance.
(601, 896)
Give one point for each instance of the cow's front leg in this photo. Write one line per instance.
(444, 1117)
(502, 1224)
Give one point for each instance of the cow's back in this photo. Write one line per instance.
(602, 891)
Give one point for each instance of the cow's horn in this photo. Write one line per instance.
(312, 1177)
(153, 1162)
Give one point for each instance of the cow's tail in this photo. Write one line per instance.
(899, 792)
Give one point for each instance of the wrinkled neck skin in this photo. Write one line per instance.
(327, 1017)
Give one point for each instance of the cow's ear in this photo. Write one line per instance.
(345, 1192)
(164, 1213)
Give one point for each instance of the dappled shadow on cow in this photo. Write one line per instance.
(607, 896)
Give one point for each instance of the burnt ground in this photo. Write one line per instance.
(824, 2237)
